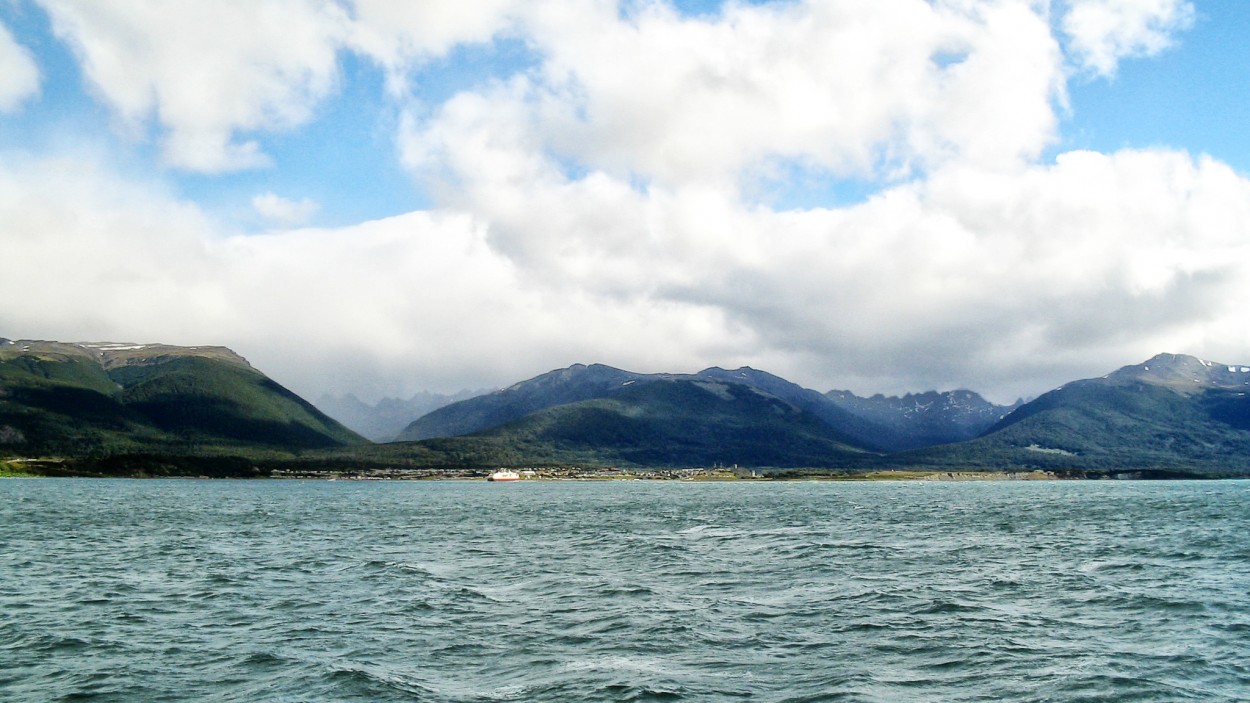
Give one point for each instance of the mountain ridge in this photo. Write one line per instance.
(929, 418)
(110, 398)
(115, 354)
(875, 430)
(680, 422)
(1175, 415)
(1173, 411)
(1184, 373)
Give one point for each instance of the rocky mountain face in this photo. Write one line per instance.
(919, 420)
(1185, 374)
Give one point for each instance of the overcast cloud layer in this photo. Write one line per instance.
(622, 198)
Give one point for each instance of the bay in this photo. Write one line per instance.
(116, 590)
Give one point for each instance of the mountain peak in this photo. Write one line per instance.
(918, 420)
(742, 374)
(1184, 373)
(115, 354)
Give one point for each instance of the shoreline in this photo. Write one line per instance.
(694, 475)
(204, 468)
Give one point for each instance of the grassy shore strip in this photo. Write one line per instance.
(20, 468)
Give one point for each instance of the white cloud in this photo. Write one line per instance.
(1102, 32)
(617, 169)
(19, 76)
(596, 208)
(284, 211)
(867, 88)
(401, 36)
(397, 305)
(90, 254)
(209, 75)
(877, 87)
(1004, 284)
(206, 71)
(1007, 281)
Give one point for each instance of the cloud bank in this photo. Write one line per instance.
(616, 200)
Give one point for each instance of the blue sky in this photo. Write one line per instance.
(887, 196)
(1194, 95)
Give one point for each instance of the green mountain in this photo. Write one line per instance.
(1173, 413)
(575, 383)
(109, 399)
(675, 422)
(129, 408)
(581, 383)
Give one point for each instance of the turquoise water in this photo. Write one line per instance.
(623, 591)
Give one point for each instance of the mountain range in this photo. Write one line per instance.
(384, 420)
(1174, 414)
(600, 415)
(882, 424)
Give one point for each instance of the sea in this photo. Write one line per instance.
(292, 591)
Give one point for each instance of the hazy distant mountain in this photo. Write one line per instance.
(1171, 412)
(104, 398)
(382, 421)
(918, 420)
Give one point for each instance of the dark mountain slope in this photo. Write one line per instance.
(680, 422)
(575, 383)
(202, 399)
(879, 424)
(580, 383)
(79, 399)
(857, 428)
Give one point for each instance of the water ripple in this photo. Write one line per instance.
(283, 592)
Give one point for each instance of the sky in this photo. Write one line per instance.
(381, 197)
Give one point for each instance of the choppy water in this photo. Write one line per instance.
(623, 591)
